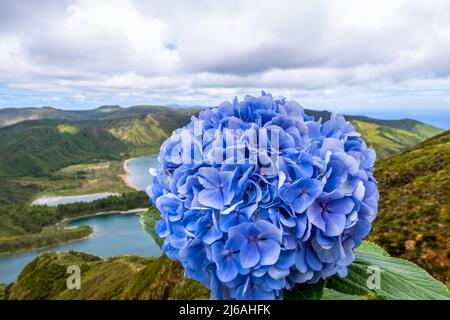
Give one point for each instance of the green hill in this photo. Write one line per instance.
(144, 129)
(38, 147)
(42, 146)
(12, 116)
(99, 112)
(412, 224)
(407, 124)
(386, 137)
(387, 140)
(413, 220)
(121, 277)
(32, 152)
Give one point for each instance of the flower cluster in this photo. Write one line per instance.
(256, 196)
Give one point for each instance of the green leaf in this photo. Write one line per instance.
(330, 294)
(305, 291)
(367, 246)
(148, 221)
(399, 279)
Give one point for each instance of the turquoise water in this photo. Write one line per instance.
(115, 234)
(138, 168)
(139, 177)
(54, 201)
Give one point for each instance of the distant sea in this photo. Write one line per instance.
(437, 119)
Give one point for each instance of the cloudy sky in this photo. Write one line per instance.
(381, 58)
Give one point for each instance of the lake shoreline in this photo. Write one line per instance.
(45, 200)
(60, 224)
(126, 177)
(18, 252)
(128, 174)
(131, 211)
(99, 234)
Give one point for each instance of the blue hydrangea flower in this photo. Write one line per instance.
(255, 197)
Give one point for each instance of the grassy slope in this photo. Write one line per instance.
(38, 147)
(122, 277)
(21, 219)
(412, 223)
(12, 116)
(404, 124)
(144, 128)
(47, 238)
(33, 152)
(143, 134)
(386, 140)
(414, 205)
(88, 178)
(29, 227)
(387, 137)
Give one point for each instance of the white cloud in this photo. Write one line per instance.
(188, 51)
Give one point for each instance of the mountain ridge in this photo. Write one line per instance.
(120, 277)
(107, 110)
(11, 116)
(414, 205)
(140, 130)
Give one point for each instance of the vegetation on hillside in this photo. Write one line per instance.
(121, 277)
(386, 137)
(143, 134)
(388, 141)
(148, 221)
(81, 151)
(26, 219)
(48, 238)
(27, 227)
(41, 147)
(17, 190)
(413, 220)
(12, 116)
(67, 128)
(111, 132)
(422, 129)
(131, 277)
(35, 148)
(83, 178)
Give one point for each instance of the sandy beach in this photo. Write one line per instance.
(137, 174)
(126, 176)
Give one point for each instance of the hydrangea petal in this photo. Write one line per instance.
(249, 255)
(211, 198)
(334, 224)
(270, 251)
(227, 270)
